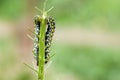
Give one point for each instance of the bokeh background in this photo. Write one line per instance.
(86, 41)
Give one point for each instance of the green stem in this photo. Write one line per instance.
(42, 50)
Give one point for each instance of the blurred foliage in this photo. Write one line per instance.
(10, 67)
(88, 62)
(11, 9)
(86, 12)
(83, 12)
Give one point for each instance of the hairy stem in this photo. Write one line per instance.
(42, 50)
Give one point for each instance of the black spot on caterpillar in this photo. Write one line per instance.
(48, 37)
(37, 22)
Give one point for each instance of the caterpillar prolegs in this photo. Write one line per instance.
(50, 24)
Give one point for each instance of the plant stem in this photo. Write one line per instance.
(42, 50)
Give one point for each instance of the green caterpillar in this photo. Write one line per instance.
(50, 24)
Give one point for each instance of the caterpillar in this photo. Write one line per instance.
(50, 24)
(48, 37)
(37, 22)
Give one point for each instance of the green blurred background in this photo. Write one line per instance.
(86, 41)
